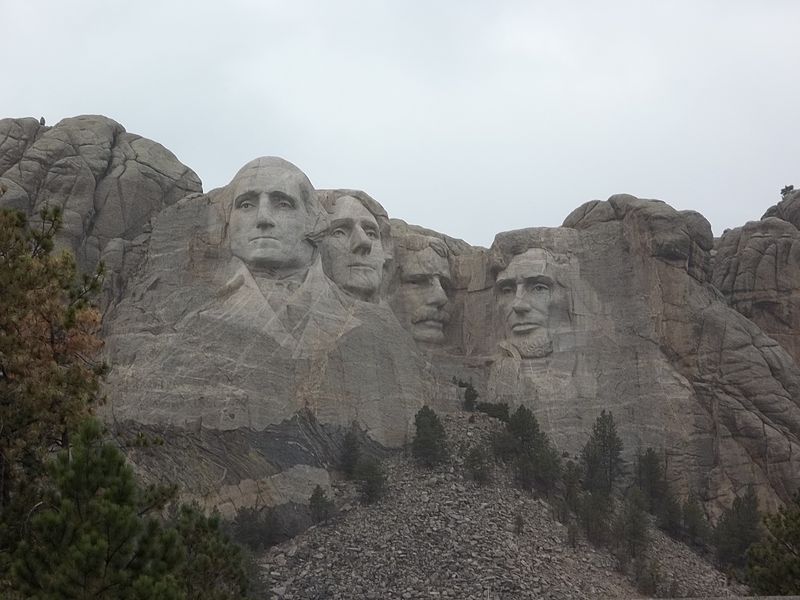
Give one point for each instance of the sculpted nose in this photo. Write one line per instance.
(520, 304)
(359, 242)
(437, 296)
(264, 216)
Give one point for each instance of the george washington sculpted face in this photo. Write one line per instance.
(271, 217)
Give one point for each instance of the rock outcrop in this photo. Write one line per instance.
(108, 182)
(757, 267)
(249, 327)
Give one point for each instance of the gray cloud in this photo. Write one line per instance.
(467, 117)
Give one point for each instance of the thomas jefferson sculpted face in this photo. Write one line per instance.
(272, 216)
(352, 251)
(420, 296)
(524, 294)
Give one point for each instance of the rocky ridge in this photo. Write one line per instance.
(438, 535)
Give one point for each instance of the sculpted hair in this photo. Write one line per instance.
(308, 196)
(415, 242)
(328, 199)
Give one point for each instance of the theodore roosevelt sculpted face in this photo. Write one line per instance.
(420, 296)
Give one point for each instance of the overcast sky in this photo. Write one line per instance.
(463, 116)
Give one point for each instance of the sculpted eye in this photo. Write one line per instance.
(507, 290)
(540, 288)
(373, 235)
(245, 204)
(338, 232)
(284, 203)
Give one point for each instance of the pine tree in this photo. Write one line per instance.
(88, 539)
(693, 520)
(351, 451)
(48, 377)
(737, 529)
(601, 455)
(668, 513)
(320, 505)
(650, 478)
(372, 479)
(537, 461)
(631, 527)
(773, 565)
(429, 446)
(213, 567)
(478, 465)
(572, 483)
(470, 396)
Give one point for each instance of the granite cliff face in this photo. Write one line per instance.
(757, 268)
(249, 327)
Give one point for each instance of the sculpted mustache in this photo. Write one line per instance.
(432, 315)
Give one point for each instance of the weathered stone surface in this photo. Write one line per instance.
(107, 181)
(630, 324)
(237, 329)
(757, 267)
(248, 327)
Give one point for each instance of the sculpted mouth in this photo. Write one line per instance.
(263, 237)
(524, 327)
(431, 324)
(361, 266)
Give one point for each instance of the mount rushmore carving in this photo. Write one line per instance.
(250, 326)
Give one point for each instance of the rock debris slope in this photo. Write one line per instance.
(438, 535)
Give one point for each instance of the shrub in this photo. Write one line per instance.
(572, 483)
(595, 514)
(429, 446)
(651, 478)
(695, 525)
(496, 411)
(255, 528)
(478, 465)
(372, 480)
(525, 471)
(470, 396)
(668, 514)
(572, 534)
(737, 529)
(519, 524)
(320, 505)
(351, 451)
(214, 568)
(647, 575)
(505, 446)
(774, 564)
(630, 527)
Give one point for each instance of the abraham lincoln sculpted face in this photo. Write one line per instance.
(524, 294)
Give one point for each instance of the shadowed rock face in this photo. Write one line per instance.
(251, 325)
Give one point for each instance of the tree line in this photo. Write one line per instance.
(74, 521)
